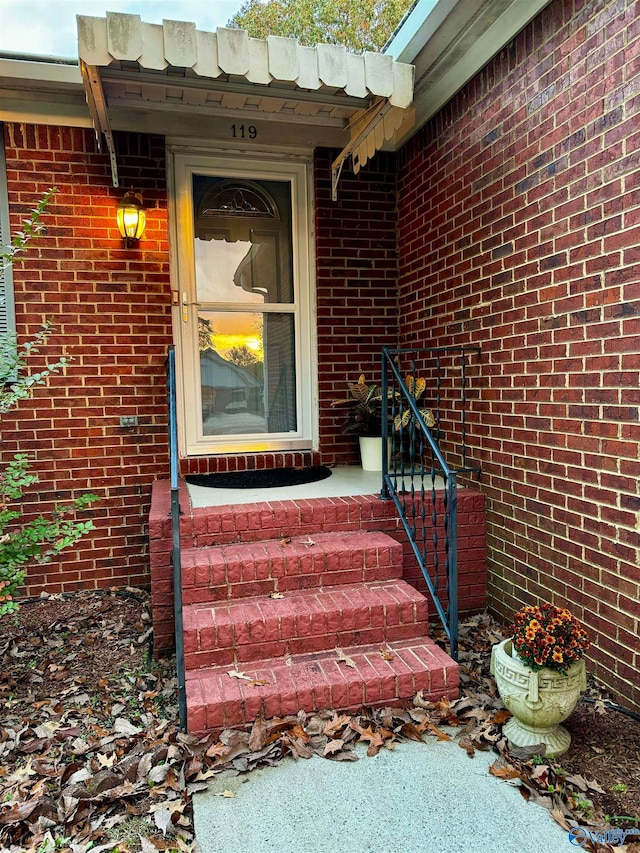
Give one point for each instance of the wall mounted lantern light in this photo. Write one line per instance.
(131, 218)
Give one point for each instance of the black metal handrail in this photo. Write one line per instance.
(415, 474)
(175, 535)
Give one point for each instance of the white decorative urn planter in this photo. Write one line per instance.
(538, 699)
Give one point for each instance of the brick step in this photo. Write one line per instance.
(251, 629)
(312, 682)
(247, 569)
(272, 519)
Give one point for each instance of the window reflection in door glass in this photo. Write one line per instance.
(247, 372)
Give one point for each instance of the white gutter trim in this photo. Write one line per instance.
(421, 23)
(40, 71)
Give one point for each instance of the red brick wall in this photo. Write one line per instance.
(111, 310)
(356, 270)
(110, 307)
(519, 227)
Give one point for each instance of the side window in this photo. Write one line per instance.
(7, 314)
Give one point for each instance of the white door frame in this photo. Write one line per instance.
(183, 163)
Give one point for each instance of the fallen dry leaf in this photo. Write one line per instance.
(276, 595)
(345, 659)
(204, 775)
(298, 747)
(541, 772)
(438, 732)
(124, 727)
(466, 744)
(162, 819)
(501, 717)
(299, 732)
(228, 795)
(560, 818)
(411, 732)
(333, 746)
(335, 724)
(386, 654)
(376, 739)
(233, 673)
(503, 771)
(258, 736)
(47, 730)
(22, 774)
(594, 786)
(106, 760)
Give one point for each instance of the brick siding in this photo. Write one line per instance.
(519, 224)
(357, 302)
(110, 308)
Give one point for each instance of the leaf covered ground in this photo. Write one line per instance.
(91, 757)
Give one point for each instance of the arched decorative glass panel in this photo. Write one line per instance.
(237, 198)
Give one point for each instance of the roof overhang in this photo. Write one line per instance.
(180, 82)
(449, 41)
(42, 90)
(176, 80)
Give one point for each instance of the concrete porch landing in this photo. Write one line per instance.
(345, 481)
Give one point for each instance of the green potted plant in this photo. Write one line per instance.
(416, 386)
(540, 674)
(364, 416)
(364, 409)
(364, 419)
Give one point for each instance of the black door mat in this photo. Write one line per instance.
(265, 478)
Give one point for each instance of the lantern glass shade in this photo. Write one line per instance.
(131, 217)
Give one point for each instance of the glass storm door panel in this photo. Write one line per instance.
(245, 357)
(247, 373)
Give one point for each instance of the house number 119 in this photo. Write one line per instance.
(239, 131)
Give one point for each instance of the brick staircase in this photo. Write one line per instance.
(322, 621)
(307, 600)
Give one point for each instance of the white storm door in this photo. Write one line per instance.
(243, 262)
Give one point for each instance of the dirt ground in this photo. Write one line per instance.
(91, 757)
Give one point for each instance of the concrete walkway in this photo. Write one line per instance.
(423, 799)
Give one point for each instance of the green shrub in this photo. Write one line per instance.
(39, 540)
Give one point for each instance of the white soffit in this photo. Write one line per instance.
(174, 69)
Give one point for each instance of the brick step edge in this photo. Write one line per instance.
(231, 633)
(250, 569)
(319, 681)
